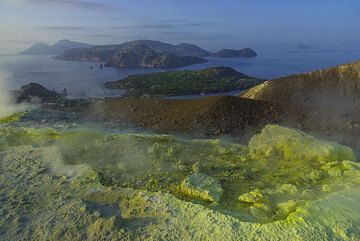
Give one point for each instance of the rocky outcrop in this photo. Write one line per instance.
(36, 91)
(230, 53)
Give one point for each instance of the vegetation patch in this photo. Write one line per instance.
(186, 82)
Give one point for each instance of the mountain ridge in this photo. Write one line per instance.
(334, 86)
(141, 55)
(55, 49)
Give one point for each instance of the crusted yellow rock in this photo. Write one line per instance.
(289, 144)
(254, 196)
(84, 184)
(11, 118)
(203, 187)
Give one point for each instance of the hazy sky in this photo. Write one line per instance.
(208, 23)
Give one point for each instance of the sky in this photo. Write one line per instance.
(210, 24)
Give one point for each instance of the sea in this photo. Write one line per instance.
(86, 79)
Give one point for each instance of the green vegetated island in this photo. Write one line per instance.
(185, 82)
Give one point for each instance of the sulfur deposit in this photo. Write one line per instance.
(201, 186)
(88, 181)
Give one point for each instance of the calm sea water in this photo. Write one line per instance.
(82, 81)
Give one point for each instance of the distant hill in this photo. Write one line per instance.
(194, 48)
(230, 53)
(38, 48)
(304, 47)
(141, 55)
(58, 48)
(169, 55)
(210, 80)
(106, 52)
(336, 86)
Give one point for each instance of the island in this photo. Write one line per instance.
(149, 53)
(304, 47)
(137, 53)
(230, 53)
(58, 48)
(141, 53)
(186, 82)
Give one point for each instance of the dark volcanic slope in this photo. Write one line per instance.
(225, 115)
(207, 116)
(337, 86)
(213, 116)
(210, 80)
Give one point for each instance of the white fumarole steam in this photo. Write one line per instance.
(8, 105)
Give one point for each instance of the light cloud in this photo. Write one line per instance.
(102, 28)
(77, 4)
(19, 41)
(177, 33)
(69, 28)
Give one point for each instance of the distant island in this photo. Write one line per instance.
(138, 53)
(58, 48)
(304, 47)
(210, 80)
(230, 53)
(142, 56)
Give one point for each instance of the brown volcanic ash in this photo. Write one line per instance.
(218, 116)
(210, 116)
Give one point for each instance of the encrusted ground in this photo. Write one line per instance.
(78, 181)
